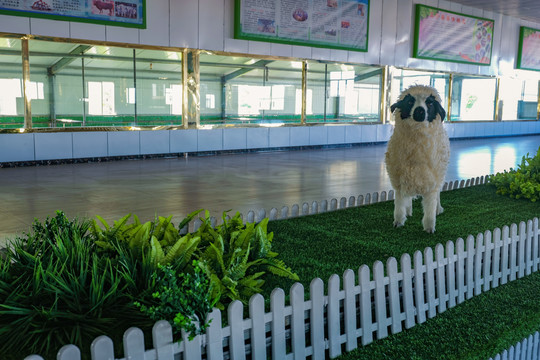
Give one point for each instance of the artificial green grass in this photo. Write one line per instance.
(329, 243)
(479, 328)
(326, 244)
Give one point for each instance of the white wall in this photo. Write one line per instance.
(74, 145)
(208, 24)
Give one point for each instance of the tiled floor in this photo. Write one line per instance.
(240, 182)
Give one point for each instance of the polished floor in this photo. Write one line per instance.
(239, 182)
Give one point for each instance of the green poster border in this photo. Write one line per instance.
(417, 31)
(23, 13)
(239, 34)
(522, 30)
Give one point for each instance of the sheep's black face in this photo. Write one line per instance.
(421, 110)
(405, 106)
(434, 108)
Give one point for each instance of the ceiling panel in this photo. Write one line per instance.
(525, 9)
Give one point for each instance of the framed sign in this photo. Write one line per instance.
(448, 36)
(128, 13)
(528, 49)
(338, 24)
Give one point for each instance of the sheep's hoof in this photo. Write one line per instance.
(398, 224)
(429, 230)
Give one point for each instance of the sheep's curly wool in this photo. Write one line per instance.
(417, 155)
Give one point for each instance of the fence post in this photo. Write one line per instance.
(536, 240)
(380, 300)
(470, 266)
(285, 212)
(393, 294)
(316, 292)
(298, 328)
(235, 313)
(305, 209)
(487, 259)
(497, 245)
(258, 332)
(365, 304)
(479, 254)
(333, 318)
(102, 348)
(214, 337)
(430, 281)
(69, 352)
(277, 306)
(522, 255)
(451, 274)
(441, 277)
(460, 268)
(162, 339)
(349, 310)
(419, 287)
(367, 199)
(134, 344)
(250, 216)
(529, 257)
(324, 206)
(314, 207)
(408, 304)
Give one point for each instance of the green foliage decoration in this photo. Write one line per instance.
(158, 240)
(523, 182)
(236, 257)
(56, 290)
(180, 299)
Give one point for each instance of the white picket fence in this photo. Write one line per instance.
(527, 349)
(355, 310)
(315, 207)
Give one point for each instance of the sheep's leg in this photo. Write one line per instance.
(439, 207)
(402, 207)
(430, 204)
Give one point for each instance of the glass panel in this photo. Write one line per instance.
(11, 95)
(159, 88)
(109, 86)
(83, 85)
(519, 98)
(241, 90)
(402, 79)
(343, 93)
(473, 98)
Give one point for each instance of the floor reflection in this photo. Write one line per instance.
(240, 182)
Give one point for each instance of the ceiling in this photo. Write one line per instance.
(524, 9)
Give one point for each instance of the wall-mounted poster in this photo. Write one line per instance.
(128, 13)
(529, 49)
(449, 36)
(338, 24)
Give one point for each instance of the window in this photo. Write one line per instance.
(246, 90)
(344, 93)
(10, 90)
(473, 98)
(519, 98)
(402, 79)
(101, 98)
